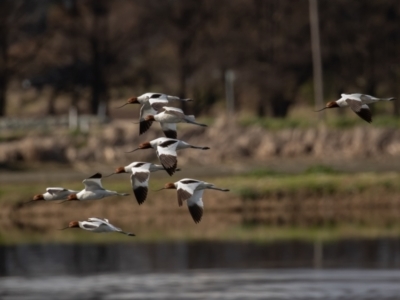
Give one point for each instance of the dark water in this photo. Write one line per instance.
(211, 284)
(362, 269)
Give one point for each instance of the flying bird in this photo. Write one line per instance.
(191, 190)
(140, 175)
(151, 104)
(96, 225)
(166, 151)
(358, 103)
(93, 190)
(168, 117)
(53, 193)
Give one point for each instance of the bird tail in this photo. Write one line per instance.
(191, 119)
(127, 233)
(201, 148)
(388, 99)
(123, 194)
(218, 189)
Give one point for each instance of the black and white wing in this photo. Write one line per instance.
(196, 206)
(100, 220)
(93, 183)
(140, 181)
(169, 130)
(55, 190)
(362, 110)
(185, 189)
(166, 152)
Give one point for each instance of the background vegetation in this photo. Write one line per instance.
(90, 52)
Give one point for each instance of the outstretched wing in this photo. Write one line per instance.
(151, 107)
(55, 190)
(185, 189)
(100, 220)
(93, 183)
(102, 223)
(362, 110)
(166, 152)
(140, 181)
(169, 130)
(196, 206)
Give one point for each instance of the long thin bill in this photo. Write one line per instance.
(62, 201)
(320, 109)
(132, 150)
(109, 175)
(159, 190)
(28, 202)
(122, 105)
(63, 228)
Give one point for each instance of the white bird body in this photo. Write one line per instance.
(362, 98)
(147, 96)
(358, 103)
(55, 193)
(94, 190)
(168, 117)
(140, 175)
(191, 190)
(169, 114)
(166, 151)
(143, 165)
(151, 104)
(97, 225)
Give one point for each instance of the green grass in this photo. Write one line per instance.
(319, 180)
(305, 118)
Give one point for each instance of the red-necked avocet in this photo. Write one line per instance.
(166, 151)
(96, 225)
(358, 103)
(168, 117)
(191, 190)
(93, 190)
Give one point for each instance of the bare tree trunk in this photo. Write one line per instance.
(51, 110)
(183, 73)
(97, 43)
(3, 63)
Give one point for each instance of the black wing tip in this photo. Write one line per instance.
(144, 126)
(196, 212)
(172, 134)
(140, 194)
(97, 175)
(170, 171)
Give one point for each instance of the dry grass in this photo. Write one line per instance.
(262, 206)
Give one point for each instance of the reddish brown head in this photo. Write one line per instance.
(170, 185)
(120, 170)
(331, 104)
(72, 197)
(145, 145)
(149, 118)
(132, 100)
(73, 224)
(38, 197)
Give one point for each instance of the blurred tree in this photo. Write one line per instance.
(19, 41)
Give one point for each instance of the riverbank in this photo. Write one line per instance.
(317, 204)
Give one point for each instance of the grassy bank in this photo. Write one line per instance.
(264, 206)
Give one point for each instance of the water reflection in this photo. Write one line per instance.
(83, 259)
(211, 284)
